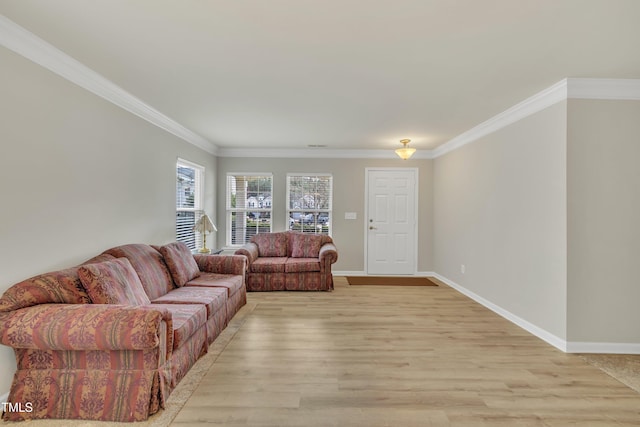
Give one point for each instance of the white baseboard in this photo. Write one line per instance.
(557, 342)
(544, 335)
(426, 274)
(348, 273)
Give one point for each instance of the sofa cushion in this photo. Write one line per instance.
(271, 244)
(232, 283)
(268, 265)
(214, 299)
(99, 258)
(186, 319)
(113, 282)
(297, 265)
(62, 286)
(307, 245)
(150, 266)
(180, 262)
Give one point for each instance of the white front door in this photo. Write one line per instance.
(391, 223)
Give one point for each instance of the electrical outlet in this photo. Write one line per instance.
(463, 268)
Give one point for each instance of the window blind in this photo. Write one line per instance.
(189, 190)
(309, 202)
(249, 201)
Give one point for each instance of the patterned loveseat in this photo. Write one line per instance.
(290, 261)
(111, 338)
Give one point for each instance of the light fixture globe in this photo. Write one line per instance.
(405, 152)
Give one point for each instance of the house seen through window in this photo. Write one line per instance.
(309, 201)
(249, 201)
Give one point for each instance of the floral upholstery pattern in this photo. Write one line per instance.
(109, 362)
(81, 327)
(307, 266)
(235, 303)
(62, 287)
(219, 319)
(308, 281)
(186, 355)
(250, 251)
(295, 265)
(234, 264)
(307, 245)
(96, 362)
(233, 284)
(113, 282)
(266, 282)
(180, 262)
(150, 266)
(187, 319)
(268, 265)
(214, 299)
(28, 358)
(104, 395)
(271, 244)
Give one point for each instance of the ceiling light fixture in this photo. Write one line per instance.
(405, 152)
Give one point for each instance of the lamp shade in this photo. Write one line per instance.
(204, 225)
(405, 152)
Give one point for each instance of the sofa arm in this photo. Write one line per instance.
(222, 264)
(250, 250)
(328, 254)
(85, 327)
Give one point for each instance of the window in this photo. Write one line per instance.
(189, 183)
(249, 200)
(309, 201)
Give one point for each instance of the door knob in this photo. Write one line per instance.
(371, 227)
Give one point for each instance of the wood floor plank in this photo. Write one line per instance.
(406, 356)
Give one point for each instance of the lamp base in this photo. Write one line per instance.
(205, 251)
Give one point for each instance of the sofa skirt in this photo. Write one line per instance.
(299, 281)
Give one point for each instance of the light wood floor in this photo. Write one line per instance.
(397, 356)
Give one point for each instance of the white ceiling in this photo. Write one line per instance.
(348, 74)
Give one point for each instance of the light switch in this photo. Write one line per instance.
(350, 215)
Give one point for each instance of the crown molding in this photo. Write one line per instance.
(317, 153)
(531, 105)
(570, 88)
(32, 47)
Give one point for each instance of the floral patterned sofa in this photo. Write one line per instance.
(290, 261)
(111, 338)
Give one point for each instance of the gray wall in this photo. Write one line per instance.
(78, 175)
(603, 218)
(543, 213)
(348, 196)
(500, 209)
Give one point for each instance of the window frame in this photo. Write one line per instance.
(198, 201)
(314, 211)
(230, 211)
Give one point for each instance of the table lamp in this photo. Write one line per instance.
(204, 226)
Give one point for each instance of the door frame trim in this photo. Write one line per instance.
(416, 175)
